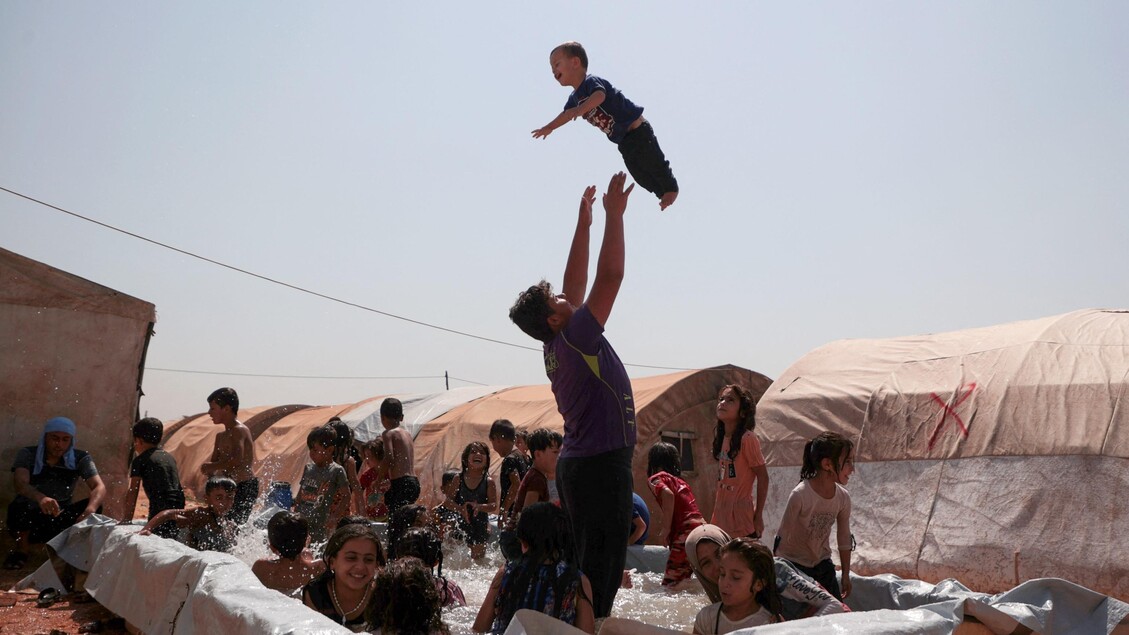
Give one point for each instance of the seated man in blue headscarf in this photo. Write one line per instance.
(45, 476)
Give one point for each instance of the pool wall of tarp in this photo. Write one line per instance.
(164, 587)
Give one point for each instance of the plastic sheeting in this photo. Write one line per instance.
(162, 586)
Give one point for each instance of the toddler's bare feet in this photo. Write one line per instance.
(667, 200)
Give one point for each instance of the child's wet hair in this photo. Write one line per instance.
(573, 49)
(759, 560)
(545, 533)
(449, 477)
(663, 457)
(542, 439)
(470, 447)
(828, 445)
(399, 523)
(150, 430)
(352, 520)
(746, 420)
(221, 482)
(322, 436)
(349, 532)
(424, 543)
(392, 408)
(531, 311)
(225, 397)
(376, 448)
(287, 533)
(502, 429)
(405, 600)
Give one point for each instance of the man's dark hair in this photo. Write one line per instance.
(321, 436)
(287, 533)
(225, 397)
(392, 408)
(502, 429)
(221, 482)
(573, 49)
(542, 439)
(150, 430)
(531, 311)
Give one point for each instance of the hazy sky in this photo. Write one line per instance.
(847, 170)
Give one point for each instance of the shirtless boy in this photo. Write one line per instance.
(400, 456)
(233, 454)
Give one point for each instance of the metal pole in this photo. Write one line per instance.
(446, 380)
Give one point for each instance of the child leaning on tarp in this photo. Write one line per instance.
(208, 528)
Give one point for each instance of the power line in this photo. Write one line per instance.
(217, 372)
(293, 286)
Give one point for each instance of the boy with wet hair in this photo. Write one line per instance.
(595, 99)
(593, 394)
(400, 455)
(288, 535)
(514, 465)
(154, 470)
(209, 527)
(234, 452)
(323, 492)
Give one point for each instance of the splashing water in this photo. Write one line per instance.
(646, 601)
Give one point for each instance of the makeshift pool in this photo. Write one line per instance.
(646, 601)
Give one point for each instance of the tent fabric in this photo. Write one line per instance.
(419, 409)
(679, 403)
(70, 348)
(990, 455)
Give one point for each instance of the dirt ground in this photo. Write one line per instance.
(21, 615)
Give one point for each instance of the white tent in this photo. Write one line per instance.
(992, 455)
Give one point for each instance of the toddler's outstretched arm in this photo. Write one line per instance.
(569, 114)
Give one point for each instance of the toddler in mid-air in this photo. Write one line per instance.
(603, 106)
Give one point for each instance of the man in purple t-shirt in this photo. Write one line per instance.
(593, 395)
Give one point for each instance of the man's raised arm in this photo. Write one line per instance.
(609, 268)
(576, 269)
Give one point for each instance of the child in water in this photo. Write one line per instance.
(747, 581)
(545, 578)
(679, 510)
(819, 501)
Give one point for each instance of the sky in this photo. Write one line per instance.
(847, 170)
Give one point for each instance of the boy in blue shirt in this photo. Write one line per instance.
(595, 99)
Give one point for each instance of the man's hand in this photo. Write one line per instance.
(615, 200)
(846, 585)
(541, 133)
(586, 201)
(49, 506)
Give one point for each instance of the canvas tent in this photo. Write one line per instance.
(677, 407)
(72, 348)
(279, 432)
(991, 455)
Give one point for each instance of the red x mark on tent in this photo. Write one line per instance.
(947, 410)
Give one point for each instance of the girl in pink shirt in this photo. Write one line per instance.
(740, 465)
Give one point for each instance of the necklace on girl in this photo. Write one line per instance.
(337, 604)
